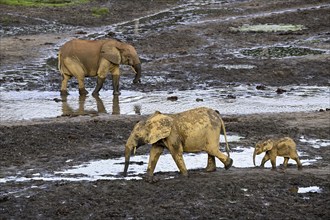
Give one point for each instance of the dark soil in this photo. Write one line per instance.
(237, 193)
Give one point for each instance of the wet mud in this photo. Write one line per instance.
(186, 47)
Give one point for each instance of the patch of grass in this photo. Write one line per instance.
(98, 12)
(42, 2)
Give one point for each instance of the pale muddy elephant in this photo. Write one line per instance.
(89, 58)
(284, 147)
(190, 131)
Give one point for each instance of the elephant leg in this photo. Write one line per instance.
(77, 71)
(211, 165)
(99, 85)
(264, 160)
(228, 162)
(298, 162)
(115, 84)
(82, 90)
(273, 161)
(177, 155)
(285, 163)
(64, 85)
(155, 152)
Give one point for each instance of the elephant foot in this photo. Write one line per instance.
(116, 93)
(83, 92)
(229, 163)
(210, 169)
(299, 167)
(150, 179)
(282, 170)
(136, 81)
(64, 93)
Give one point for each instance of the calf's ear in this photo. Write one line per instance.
(268, 145)
(158, 126)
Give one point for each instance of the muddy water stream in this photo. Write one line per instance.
(229, 100)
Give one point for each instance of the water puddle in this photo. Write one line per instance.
(25, 105)
(310, 189)
(268, 28)
(315, 143)
(112, 169)
(235, 67)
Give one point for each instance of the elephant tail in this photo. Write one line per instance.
(59, 61)
(224, 134)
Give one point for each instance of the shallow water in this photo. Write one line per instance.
(310, 189)
(112, 169)
(25, 105)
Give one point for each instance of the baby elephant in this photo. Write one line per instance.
(284, 147)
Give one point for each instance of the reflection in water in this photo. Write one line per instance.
(69, 111)
(115, 105)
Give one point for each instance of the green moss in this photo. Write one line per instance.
(98, 12)
(42, 2)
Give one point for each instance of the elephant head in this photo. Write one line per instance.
(129, 57)
(122, 53)
(149, 131)
(262, 146)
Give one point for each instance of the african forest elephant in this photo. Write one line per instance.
(284, 147)
(190, 131)
(88, 58)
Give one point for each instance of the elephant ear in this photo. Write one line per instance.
(159, 126)
(111, 53)
(268, 145)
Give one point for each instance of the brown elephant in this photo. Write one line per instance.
(190, 131)
(89, 58)
(284, 147)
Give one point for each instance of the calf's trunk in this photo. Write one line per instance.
(254, 157)
(127, 158)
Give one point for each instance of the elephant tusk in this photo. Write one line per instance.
(134, 150)
(133, 69)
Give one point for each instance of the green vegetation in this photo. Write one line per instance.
(98, 12)
(42, 2)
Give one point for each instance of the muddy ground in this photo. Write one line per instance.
(45, 145)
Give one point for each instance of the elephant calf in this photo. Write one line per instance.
(284, 147)
(190, 131)
(89, 58)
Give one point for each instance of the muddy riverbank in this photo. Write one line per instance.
(192, 52)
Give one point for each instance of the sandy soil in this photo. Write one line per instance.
(249, 193)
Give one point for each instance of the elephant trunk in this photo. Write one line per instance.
(127, 158)
(137, 69)
(254, 157)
